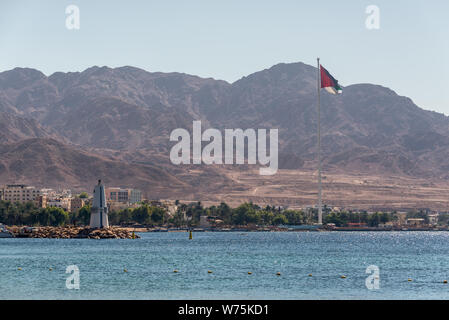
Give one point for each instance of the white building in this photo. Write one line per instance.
(433, 218)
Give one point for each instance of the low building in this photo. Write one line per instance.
(416, 222)
(433, 218)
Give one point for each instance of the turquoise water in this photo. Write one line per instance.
(150, 261)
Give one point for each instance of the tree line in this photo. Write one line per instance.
(16, 213)
(188, 215)
(343, 218)
(247, 213)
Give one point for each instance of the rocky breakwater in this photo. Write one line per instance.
(74, 233)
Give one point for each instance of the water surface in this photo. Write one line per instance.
(150, 261)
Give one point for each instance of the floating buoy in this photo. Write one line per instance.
(125, 270)
(343, 277)
(175, 271)
(278, 273)
(409, 280)
(249, 272)
(50, 269)
(310, 274)
(209, 271)
(444, 281)
(19, 268)
(190, 235)
(133, 235)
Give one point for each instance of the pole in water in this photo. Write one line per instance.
(190, 235)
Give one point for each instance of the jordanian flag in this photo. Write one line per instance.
(328, 82)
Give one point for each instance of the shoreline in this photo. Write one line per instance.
(72, 233)
(116, 232)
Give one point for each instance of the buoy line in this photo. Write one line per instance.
(249, 273)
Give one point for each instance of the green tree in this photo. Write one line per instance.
(294, 217)
(125, 216)
(142, 214)
(157, 215)
(83, 195)
(58, 216)
(240, 214)
(280, 219)
(84, 215)
(267, 217)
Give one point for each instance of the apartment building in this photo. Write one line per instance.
(76, 204)
(19, 193)
(125, 195)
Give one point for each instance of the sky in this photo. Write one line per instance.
(229, 39)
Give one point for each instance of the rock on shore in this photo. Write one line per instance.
(74, 233)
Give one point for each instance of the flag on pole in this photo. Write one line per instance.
(328, 82)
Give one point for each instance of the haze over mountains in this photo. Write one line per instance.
(70, 128)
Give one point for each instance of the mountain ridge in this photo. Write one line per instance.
(127, 113)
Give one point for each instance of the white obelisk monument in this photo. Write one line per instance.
(99, 210)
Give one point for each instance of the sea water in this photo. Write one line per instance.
(422, 257)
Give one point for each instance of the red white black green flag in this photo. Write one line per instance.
(328, 82)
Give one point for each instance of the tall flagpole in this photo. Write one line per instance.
(320, 213)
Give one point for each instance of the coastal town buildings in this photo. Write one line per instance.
(42, 198)
(117, 198)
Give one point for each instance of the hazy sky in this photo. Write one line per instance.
(229, 39)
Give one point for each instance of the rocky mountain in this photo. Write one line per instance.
(126, 114)
(48, 162)
(368, 128)
(15, 128)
